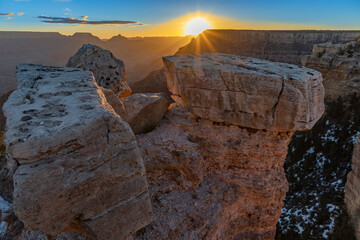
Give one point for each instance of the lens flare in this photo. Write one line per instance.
(196, 26)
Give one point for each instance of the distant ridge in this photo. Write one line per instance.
(274, 45)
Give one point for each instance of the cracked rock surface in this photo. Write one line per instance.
(144, 110)
(211, 180)
(109, 72)
(246, 91)
(339, 65)
(76, 163)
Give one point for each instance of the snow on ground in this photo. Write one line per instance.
(4, 206)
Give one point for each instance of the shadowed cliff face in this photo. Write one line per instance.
(279, 46)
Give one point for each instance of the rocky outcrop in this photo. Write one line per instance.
(144, 110)
(245, 91)
(109, 72)
(211, 179)
(352, 191)
(76, 163)
(280, 46)
(339, 64)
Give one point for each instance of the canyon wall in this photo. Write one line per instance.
(278, 46)
(340, 66)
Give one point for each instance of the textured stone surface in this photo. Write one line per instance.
(212, 181)
(116, 103)
(339, 65)
(246, 91)
(352, 190)
(77, 164)
(279, 46)
(109, 72)
(144, 110)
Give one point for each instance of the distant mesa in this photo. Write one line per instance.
(117, 38)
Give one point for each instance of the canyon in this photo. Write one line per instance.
(208, 179)
(141, 55)
(209, 175)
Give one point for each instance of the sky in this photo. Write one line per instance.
(106, 18)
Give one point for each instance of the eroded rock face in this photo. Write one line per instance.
(77, 166)
(274, 45)
(352, 191)
(210, 180)
(215, 179)
(246, 91)
(144, 110)
(109, 72)
(340, 66)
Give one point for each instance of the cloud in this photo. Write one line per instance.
(9, 18)
(67, 9)
(83, 20)
(20, 13)
(6, 14)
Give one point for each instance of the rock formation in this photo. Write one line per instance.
(76, 163)
(340, 66)
(215, 179)
(144, 110)
(352, 191)
(109, 72)
(245, 91)
(279, 46)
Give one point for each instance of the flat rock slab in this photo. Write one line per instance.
(76, 163)
(246, 91)
(109, 72)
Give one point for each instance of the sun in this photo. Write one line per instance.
(196, 26)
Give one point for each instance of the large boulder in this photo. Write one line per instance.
(144, 110)
(248, 92)
(76, 163)
(109, 72)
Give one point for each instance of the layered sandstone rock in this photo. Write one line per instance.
(144, 110)
(213, 181)
(209, 179)
(340, 66)
(274, 45)
(352, 190)
(246, 91)
(109, 72)
(76, 163)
